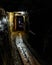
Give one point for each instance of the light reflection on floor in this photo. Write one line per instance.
(24, 52)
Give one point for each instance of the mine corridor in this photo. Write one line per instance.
(13, 39)
(25, 38)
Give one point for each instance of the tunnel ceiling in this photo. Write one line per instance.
(23, 3)
(15, 4)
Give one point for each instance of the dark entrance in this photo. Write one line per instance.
(18, 23)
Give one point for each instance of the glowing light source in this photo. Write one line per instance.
(20, 13)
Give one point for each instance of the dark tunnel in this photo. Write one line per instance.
(41, 40)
